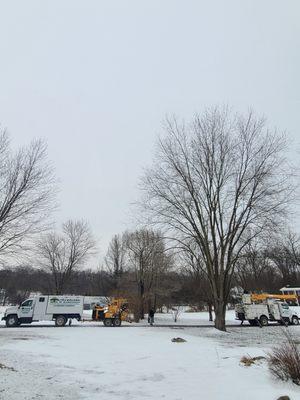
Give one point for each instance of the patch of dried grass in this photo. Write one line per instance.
(247, 361)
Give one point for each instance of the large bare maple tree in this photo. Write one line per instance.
(216, 184)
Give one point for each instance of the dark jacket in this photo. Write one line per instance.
(151, 313)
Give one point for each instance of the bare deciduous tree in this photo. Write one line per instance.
(115, 259)
(62, 254)
(176, 311)
(146, 258)
(285, 254)
(253, 266)
(26, 193)
(216, 184)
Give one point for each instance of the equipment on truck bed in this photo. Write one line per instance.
(262, 313)
(113, 313)
(260, 297)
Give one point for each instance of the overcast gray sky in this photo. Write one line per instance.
(96, 78)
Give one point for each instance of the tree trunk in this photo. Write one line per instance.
(210, 312)
(220, 311)
(142, 300)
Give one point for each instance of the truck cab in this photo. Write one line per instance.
(17, 315)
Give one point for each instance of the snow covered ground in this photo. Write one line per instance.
(138, 362)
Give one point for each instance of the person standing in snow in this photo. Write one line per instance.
(151, 316)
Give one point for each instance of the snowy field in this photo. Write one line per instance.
(138, 362)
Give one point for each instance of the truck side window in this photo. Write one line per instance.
(41, 299)
(27, 303)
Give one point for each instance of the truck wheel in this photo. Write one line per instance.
(11, 321)
(295, 320)
(108, 322)
(117, 322)
(60, 320)
(264, 320)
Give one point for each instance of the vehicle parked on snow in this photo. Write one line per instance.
(261, 314)
(45, 308)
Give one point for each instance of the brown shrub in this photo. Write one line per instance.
(284, 361)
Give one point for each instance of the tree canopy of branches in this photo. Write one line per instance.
(285, 254)
(27, 194)
(216, 184)
(147, 259)
(115, 259)
(19, 282)
(62, 254)
(254, 269)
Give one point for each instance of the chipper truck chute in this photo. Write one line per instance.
(272, 310)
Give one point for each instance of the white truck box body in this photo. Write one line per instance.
(253, 311)
(64, 304)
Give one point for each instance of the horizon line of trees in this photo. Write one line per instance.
(165, 279)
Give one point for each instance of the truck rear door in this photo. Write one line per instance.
(40, 308)
(275, 311)
(285, 311)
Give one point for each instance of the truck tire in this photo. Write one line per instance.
(11, 321)
(264, 320)
(295, 320)
(60, 320)
(117, 321)
(108, 322)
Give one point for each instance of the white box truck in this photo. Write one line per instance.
(45, 308)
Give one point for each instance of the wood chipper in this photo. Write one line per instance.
(113, 313)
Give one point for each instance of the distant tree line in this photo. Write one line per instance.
(138, 266)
